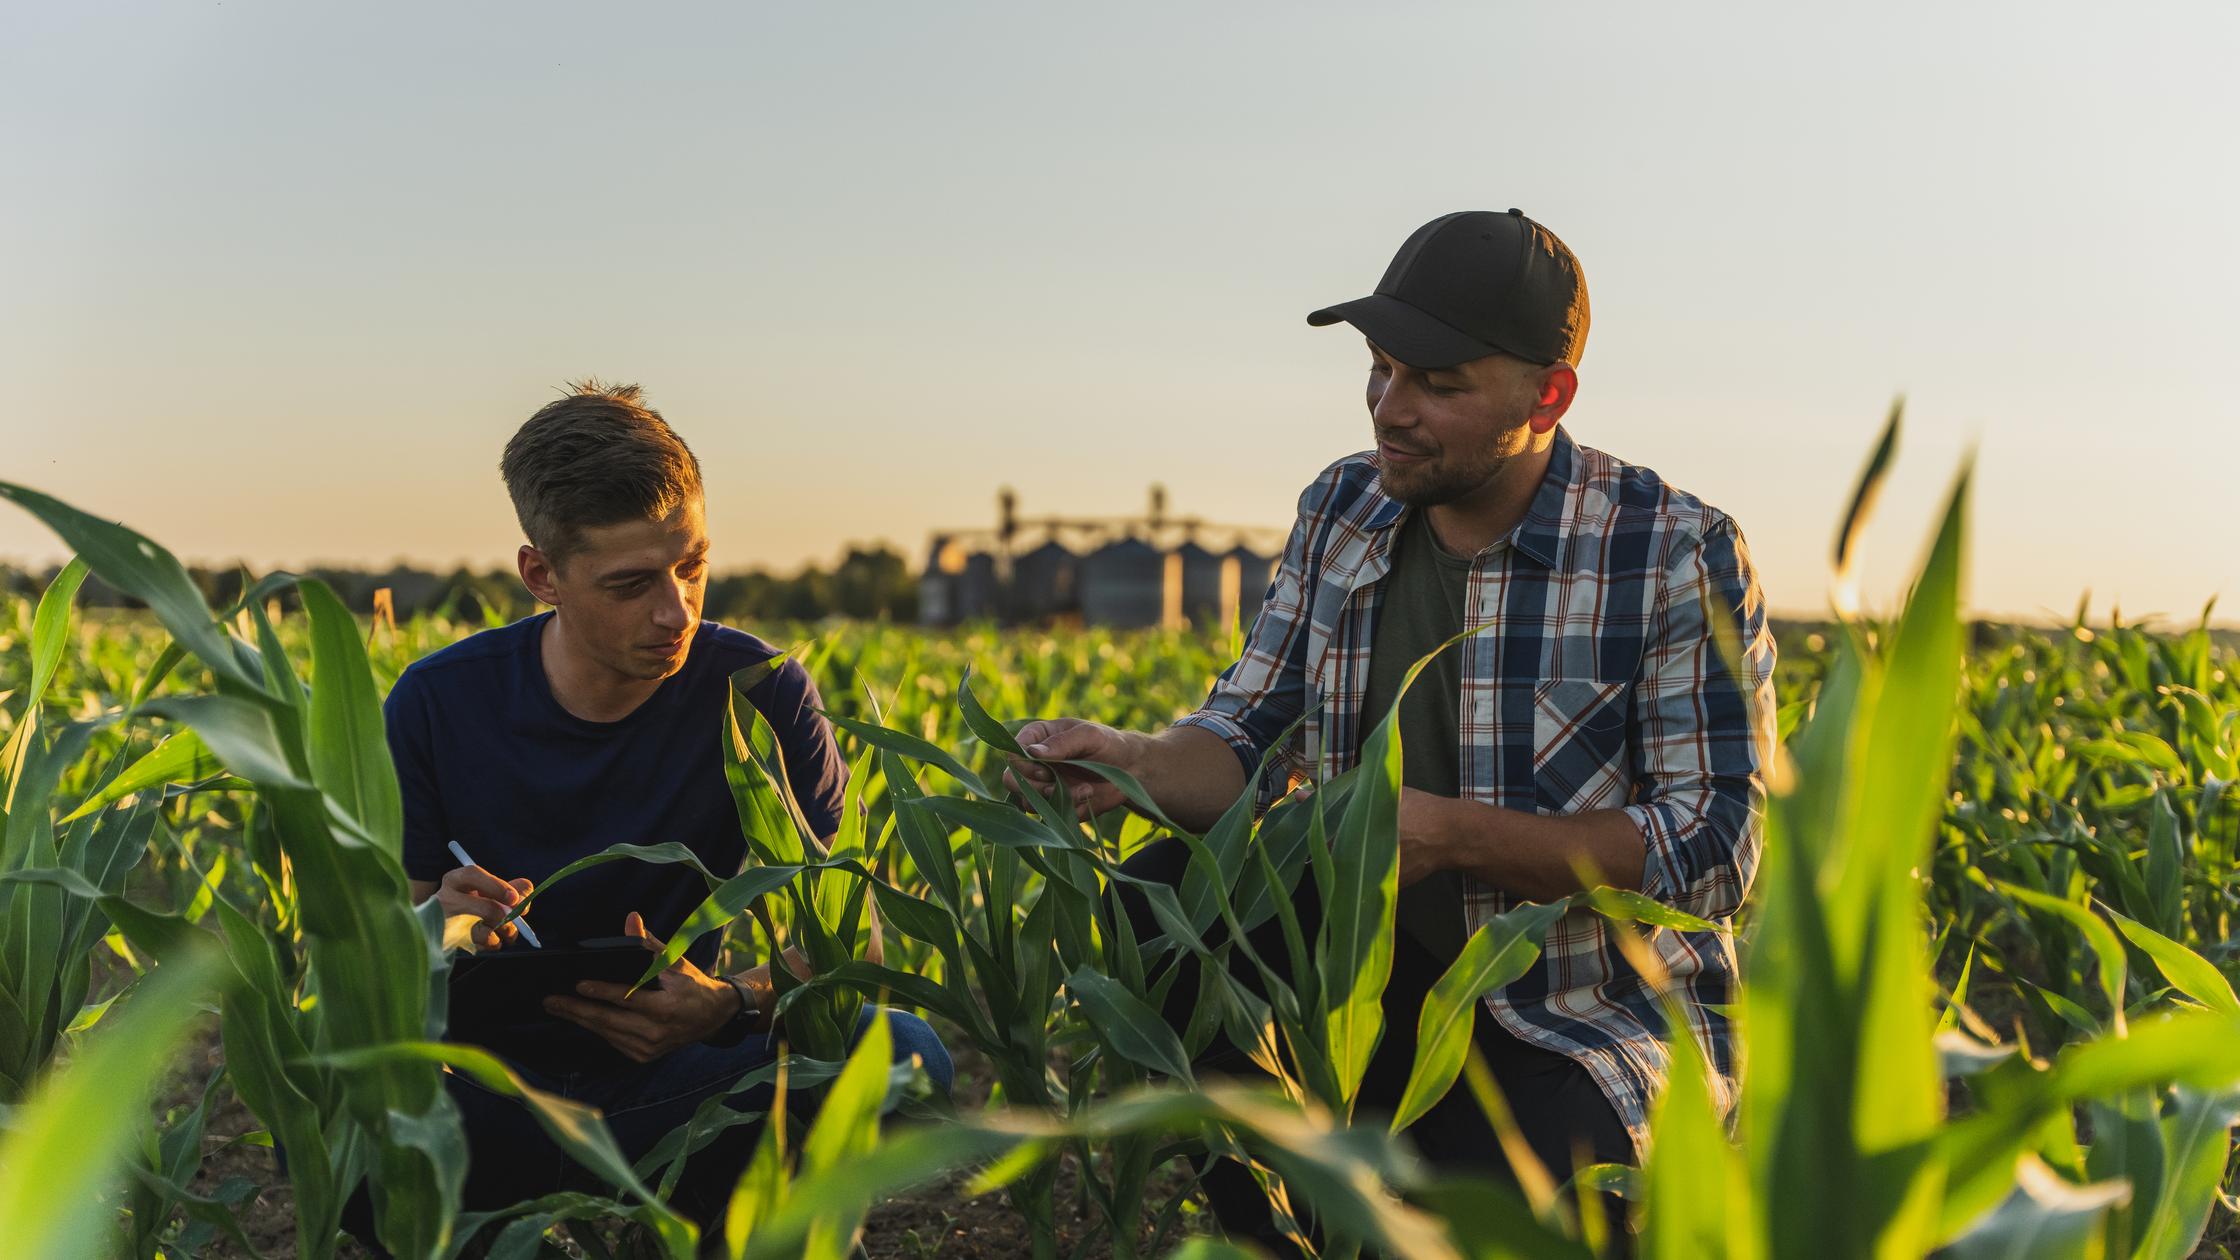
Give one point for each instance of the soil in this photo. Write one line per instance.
(933, 1222)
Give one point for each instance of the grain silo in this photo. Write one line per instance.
(1254, 571)
(1123, 584)
(937, 586)
(1199, 586)
(979, 588)
(1045, 582)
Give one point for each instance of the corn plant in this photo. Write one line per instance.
(71, 1138)
(343, 961)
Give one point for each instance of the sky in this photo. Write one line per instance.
(278, 280)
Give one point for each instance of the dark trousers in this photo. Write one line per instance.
(1556, 1103)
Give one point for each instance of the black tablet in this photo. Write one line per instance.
(507, 987)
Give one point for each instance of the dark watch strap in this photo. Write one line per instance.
(742, 1025)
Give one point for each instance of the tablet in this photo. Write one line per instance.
(507, 987)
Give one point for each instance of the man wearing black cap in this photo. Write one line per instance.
(1598, 722)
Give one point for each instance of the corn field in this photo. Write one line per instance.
(1986, 1007)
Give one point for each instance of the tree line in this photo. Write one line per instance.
(870, 584)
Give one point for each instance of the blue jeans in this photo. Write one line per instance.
(510, 1158)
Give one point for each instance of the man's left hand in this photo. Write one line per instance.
(682, 1005)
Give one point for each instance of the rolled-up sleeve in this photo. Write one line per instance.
(1704, 729)
(1256, 703)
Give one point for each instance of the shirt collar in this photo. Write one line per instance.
(1541, 533)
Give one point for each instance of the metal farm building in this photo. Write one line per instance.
(1124, 572)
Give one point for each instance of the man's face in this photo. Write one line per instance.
(1445, 433)
(632, 595)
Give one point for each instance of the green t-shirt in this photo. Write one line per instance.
(1425, 591)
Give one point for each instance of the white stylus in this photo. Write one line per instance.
(527, 933)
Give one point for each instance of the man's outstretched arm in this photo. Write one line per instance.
(1189, 772)
(1195, 769)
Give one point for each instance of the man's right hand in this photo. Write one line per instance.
(472, 890)
(1072, 739)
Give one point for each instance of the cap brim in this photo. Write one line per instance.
(1405, 333)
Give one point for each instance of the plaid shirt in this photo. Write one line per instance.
(1605, 687)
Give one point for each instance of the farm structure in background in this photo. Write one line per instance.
(1129, 572)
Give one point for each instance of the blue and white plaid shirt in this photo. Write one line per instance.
(1603, 686)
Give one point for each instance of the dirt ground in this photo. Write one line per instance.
(933, 1222)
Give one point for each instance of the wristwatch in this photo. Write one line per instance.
(746, 1022)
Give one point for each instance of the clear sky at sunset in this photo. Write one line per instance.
(277, 280)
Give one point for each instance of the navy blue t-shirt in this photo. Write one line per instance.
(487, 757)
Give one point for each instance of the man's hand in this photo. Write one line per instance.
(683, 1005)
(1423, 834)
(1536, 857)
(1071, 739)
(472, 890)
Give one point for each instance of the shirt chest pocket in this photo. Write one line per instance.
(1579, 752)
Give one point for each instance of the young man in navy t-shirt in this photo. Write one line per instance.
(595, 723)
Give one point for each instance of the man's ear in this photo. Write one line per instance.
(1559, 383)
(538, 574)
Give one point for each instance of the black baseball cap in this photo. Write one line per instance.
(1470, 284)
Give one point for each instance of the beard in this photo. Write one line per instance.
(1449, 474)
(1444, 478)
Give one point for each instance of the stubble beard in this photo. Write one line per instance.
(1451, 475)
(1443, 480)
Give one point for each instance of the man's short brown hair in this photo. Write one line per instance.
(599, 456)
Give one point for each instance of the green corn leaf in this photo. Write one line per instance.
(769, 818)
(132, 564)
(1699, 1203)
(1133, 1030)
(998, 824)
(2165, 865)
(151, 931)
(665, 853)
(984, 727)
(926, 844)
(1491, 1221)
(349, 748)
(2113, 963)
(2061, 1007)
(904, 744)
(238, 732)
(895, 1165)
(1627, 906)
(65, 1145)
(761, 1187)
(2044, 1218)
(1951, 1017)
(50, 630)
(2187, 972)
(846, 1131)
(2196, 1049)
(1356, 945)
(183, 758)
(2197, 1140)
(876, 983)
(726, 903)
(26, 811)
(1866, 491)
(578, 1129)
(280, 680)
(1501, 950)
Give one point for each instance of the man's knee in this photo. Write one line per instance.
(913, 1037)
